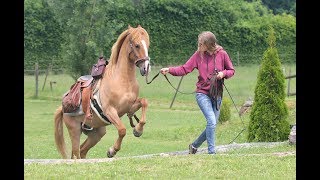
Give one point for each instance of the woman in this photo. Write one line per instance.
(211, 60)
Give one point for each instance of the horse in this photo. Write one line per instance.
(116, 94)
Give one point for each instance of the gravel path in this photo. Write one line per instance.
(219, 149)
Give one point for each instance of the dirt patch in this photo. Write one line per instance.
(291, 104)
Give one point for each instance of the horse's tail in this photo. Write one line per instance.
(58, 132)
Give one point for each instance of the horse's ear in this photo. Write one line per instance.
(129, 26)
(139, 25)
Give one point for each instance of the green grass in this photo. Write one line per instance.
(223, 166)
(167, 130)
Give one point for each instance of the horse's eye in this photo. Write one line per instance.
(137, 46)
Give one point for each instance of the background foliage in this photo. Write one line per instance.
(42, 35)
(72, 34)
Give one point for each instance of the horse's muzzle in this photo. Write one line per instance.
(144, 66)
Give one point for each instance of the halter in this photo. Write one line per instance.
(141, 60)
(138, 61)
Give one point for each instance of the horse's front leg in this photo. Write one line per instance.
(116, 121)
(143, 104)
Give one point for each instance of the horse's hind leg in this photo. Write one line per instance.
(116, 121)
(93, 138)
(74, 129)
(143, 104)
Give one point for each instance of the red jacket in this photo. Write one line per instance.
(205, 68)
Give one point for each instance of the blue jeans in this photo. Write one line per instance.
(212, 116)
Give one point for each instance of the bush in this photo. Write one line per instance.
(225, 112)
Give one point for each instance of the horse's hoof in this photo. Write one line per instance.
(111, 152)
(136, 133)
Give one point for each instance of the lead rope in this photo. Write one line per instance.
(152, 78)
(148, 74)
(214, 63)
(238, 114)
(168, 82)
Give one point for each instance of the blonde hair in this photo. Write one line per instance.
(209, 39)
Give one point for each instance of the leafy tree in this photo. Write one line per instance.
(42, 35)
(88, 32)
(280, 6)
(268, 118)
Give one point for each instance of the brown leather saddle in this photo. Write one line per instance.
(80, 93)
(73, 98)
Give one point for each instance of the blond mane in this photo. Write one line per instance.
(116, 47)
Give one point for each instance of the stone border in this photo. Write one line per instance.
(219, 149)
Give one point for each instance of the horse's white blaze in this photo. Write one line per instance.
(145, 47)
(147, 64)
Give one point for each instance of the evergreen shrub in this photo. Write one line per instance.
(269, 115)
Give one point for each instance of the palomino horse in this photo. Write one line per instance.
(116, 93)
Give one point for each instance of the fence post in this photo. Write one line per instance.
(36, 74)
(174, 97)
(52, 82)
(45, 80)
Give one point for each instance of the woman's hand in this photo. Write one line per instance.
(164, 71)
(220, 75)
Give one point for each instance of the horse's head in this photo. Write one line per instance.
(139, 45)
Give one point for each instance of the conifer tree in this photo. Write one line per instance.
(269, 115)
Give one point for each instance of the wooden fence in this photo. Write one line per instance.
(37, 72)
(289, 77)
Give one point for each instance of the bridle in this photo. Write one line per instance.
(140, 60)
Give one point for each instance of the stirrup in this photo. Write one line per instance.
(86, 127)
